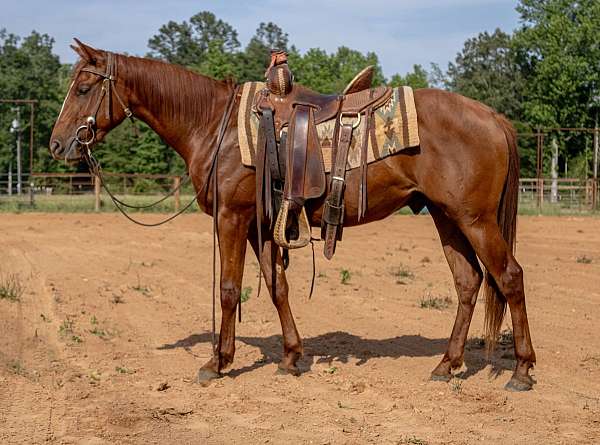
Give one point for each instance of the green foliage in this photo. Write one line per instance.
(330, 73)
(546, 73)
(487, 70)
(28, 70)
(186, 43)
(416, 79)
(560, 44)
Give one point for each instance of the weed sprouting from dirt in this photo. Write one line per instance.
(141, 287)
(117, 299)
(11, 287)
(345, 276)
(402, 273)
(100, 333)
(245, 295)
(66, 331)
(330, 370)
(591, 360)
(583, 259)
(95, 377)
(431, 302)
(96, 330)
(17, 367)
(124, 370)
(66, 327)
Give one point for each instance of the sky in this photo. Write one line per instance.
(401, 32)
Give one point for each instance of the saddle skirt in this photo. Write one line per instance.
(394, 128)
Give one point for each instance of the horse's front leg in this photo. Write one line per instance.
(233, 232)
(274, 273)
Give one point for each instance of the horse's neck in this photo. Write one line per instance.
(182, 107)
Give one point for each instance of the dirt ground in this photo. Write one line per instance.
(113, 324)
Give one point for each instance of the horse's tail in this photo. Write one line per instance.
(495, 302)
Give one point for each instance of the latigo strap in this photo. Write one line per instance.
(333, 211)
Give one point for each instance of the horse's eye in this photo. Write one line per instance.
(83, 89)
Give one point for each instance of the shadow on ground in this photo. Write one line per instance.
(342, 346)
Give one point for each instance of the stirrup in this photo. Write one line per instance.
(281, 224)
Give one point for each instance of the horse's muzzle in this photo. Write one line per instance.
(70, 152)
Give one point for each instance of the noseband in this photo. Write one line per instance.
(108, 88)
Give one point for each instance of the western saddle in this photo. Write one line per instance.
(289, 161)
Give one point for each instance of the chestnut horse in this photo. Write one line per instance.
(465, 172)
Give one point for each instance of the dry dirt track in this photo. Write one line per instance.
(111, 311)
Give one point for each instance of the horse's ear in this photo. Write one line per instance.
(86, 52)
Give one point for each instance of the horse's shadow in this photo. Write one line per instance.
(343, 346)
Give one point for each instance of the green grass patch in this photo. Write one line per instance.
(245, 294)
(431, 302)
(85, 203)
(582, 259)
(402, 274)
(345, 276)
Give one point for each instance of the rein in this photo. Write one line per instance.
(94, 166)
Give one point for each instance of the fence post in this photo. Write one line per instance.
(97, 193)
(176, 185)
(596, 155)
(10, 179)
(31, 194)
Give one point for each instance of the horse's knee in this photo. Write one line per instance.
(467, 286)
(230, 294)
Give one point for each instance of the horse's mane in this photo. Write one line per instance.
(171, 90)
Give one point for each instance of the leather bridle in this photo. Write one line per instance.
(108, 88)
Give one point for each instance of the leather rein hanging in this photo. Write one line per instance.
(106, 92)
(90, 127)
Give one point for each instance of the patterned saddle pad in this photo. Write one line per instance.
(394, 128)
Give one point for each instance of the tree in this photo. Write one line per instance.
(186, 43)
(487, 70)
(29, 70)
(418, 78)
(256, 56)
(330, 73)
(559, 47)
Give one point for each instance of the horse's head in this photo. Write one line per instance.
(95, 104)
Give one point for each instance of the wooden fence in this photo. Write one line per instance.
(539, 195)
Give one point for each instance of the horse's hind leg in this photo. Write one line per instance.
(274, 273)
(492, 249)
(467, 280)
(233, 230)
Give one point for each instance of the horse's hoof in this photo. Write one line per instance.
(518, 385)
(205, 375)
(440, 377)
(287, 370)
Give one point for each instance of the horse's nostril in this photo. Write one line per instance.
(55, 146)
